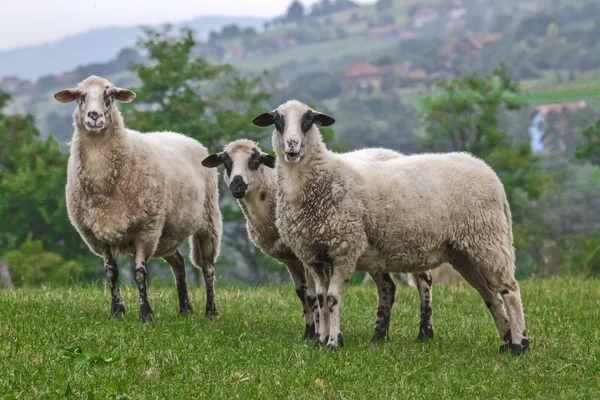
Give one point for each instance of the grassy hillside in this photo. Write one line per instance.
(254, 348)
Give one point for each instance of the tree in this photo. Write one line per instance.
(32, 182)
(590, 150)
(384, 5)
(208, 102)
(295, 12)
(465, 117)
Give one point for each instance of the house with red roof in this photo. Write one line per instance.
(362, 74)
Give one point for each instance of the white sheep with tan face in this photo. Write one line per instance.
(406, 214)
(141, 194)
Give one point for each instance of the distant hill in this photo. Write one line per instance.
(97, 46)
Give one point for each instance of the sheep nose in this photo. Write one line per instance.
(93, 115)
(293, 143)
(238, 187)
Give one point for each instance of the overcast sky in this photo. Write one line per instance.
(31, 22)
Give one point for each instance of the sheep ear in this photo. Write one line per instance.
(67, 95)
(213, 161)
(123, 95)
(267, 160)
(265, 119)
(322, 119)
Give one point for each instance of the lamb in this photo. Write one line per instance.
(250, 176)
(407, 214)
(139, 194)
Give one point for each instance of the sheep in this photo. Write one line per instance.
(255, 188)
(139, 194)
(407, 214)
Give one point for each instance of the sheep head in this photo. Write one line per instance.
(293, 122)
(242, 160)
(95, 97)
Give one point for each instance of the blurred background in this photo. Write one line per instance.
(516, 83)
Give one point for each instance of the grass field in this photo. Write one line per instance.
(59, 342)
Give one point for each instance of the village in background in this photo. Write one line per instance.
(371, 67)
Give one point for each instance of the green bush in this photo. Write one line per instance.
(30, 264)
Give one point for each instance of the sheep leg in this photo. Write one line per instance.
(177, 264)
(204, 251)
(112, 274)
(512, 297)
(311, 299)
(141, 274)
(424, 285)
(296, 270)
(341, 273)
(490, 296)
(386, 290)
(321, 287)
(208, 271)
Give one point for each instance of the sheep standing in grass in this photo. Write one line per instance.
(408, 214)
(138, 193)
(250, 176)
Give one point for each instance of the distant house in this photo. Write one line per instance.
(383, 31)
(235, 53)
(425, 15)
(538, 127)
(416, 75)
(362, 74)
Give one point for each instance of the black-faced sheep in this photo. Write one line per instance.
(141, 194)
(407, 214)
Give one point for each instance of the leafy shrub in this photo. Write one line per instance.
(30, 264)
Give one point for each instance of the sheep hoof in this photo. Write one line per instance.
(185, 311)
(335, 345)
(425, 334)
(518, 349)
(117, 310)
(320, 343)
(378, 337)
(211, 312)
(146, 314)
(309, 332)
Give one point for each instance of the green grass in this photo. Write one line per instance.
(254, 348)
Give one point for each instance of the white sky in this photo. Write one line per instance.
(31, 22)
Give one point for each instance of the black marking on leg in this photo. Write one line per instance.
(301, 293)
(488, 304)
(331, 302)
(182, 291)
(426, 328)
(146, 314)
(309, 332)
(427, 278)
(321, 299)
(506, 342)
(312, 302)
(504, 292)
(117, 309)
(320, 343)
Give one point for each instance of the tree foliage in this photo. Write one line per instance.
(32, 181)
(590, 150)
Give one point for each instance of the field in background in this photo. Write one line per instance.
(254, 348)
